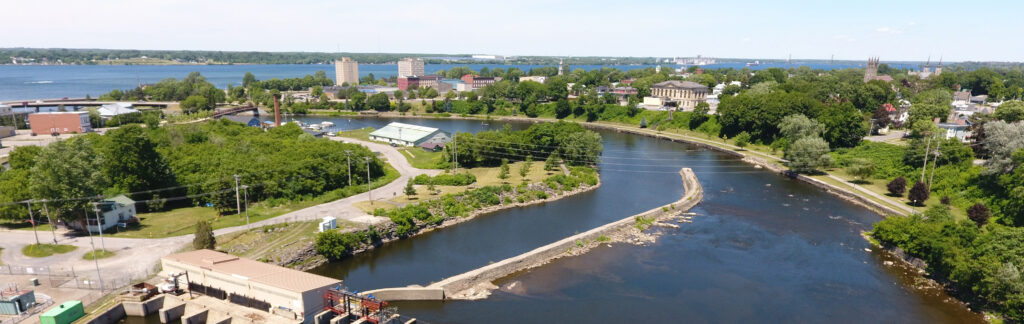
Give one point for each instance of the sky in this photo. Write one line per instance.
(894, 30)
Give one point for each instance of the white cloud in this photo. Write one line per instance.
(887, 30)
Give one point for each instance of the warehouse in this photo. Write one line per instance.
(286, 292)
(409, 135)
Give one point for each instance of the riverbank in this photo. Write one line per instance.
(477, 284)
(851, 194)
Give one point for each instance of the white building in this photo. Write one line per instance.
(108, 111)
(535, 78)
(294, 295)
(119, 209)
(409, 135)
(410, 67)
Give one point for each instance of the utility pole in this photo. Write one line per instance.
(238, 200)
(32, 219)
(935, 160)
(96, 207)
(95, 260)
(455, 147)
(50, 220)
(348, 159)
(926, 149)
(246, 189)
(369, 191)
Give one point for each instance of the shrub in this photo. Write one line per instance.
(897, 186)
(204, 238)
(978, 213)
(919, 193)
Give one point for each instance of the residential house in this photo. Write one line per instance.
(112, 211)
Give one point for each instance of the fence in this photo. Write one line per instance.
(57, 277)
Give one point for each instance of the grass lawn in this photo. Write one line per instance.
(24, 225)
(360, 134)
(422, 159)
(45, 250)
(99, 254)
(879, 186)
(182, 221)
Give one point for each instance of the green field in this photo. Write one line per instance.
(360, 134)
(422, 159)
(181, 221)
(45, 250)
(272, 243)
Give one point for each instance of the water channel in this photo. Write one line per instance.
(764, 248)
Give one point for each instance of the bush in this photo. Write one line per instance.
(919, 193)
(461, 179)
(742, 139)
(897, 186)
(978, 213)
(204, 238)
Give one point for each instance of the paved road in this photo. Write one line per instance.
(136, 257)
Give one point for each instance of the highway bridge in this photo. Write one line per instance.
(82, 103)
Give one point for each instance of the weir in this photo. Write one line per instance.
(448, 287)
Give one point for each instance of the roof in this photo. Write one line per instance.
(121, 199)
(404, 132)
(962, 95)
(117, 108)
(81, 112)
(680, 85)
(254, 271)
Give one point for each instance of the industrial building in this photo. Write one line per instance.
(60, 122)
(108, 111)
(410, 67)
(278, 290)
(346, 71)
(14, 301)
(409, 135)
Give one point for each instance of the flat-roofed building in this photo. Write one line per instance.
(685, 94)
(474, 82)
(534, 78)
(346, 70)
(409, 135)
(410, 67)
(274, 289)
(60, 122)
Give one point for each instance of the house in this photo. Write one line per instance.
(959, 130)
(247, 120)
(409, 135)
(108, 111)
(979, 99)
(961, 98)
(113, 211)
(534, 78)
(60, 122)
(288, 293)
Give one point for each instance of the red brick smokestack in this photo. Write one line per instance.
(277, 112)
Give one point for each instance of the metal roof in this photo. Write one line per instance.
(254, 271)
(404, 132)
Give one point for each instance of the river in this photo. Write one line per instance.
(30, 82)
(764, 248)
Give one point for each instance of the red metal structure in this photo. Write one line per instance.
(341, 301)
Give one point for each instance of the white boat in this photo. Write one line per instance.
(326, 124)
(313, 126)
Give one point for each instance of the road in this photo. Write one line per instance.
(137, 257)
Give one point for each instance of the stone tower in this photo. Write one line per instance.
(872, 70)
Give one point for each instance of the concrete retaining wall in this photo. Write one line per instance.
(692, 196)
(145, 308)
(172, 314)
(111, 316)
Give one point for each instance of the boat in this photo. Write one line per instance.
(313, 126)
(754, 63)
(326, 124)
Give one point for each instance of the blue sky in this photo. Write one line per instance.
(893, 30)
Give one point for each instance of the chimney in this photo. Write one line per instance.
(277, 112)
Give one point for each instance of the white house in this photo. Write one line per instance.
(114, 210)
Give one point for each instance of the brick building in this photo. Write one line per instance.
(474, 82)
(61, 122)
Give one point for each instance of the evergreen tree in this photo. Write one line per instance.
(409, 189)
(204, 238)
(504, 169)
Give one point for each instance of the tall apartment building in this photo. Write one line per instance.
(346, 71)
(410, 67)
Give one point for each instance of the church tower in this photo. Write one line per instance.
(872, 70)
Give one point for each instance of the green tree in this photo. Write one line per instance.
(409, 189)
(503, 174)
(643, 122)
(204, 238)
(132, 162)
(808, 154)
(1011, 111)
(379, 102)
(69, 169)
(317, 91)
(1002, 139)
(195, 103)
(742, 139)
(525, 168)
(797, 126)
(248, 79)
(844, 125)
(562, 108)
(861, 168)
(551, 163)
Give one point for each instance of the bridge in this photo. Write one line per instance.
(233, 111)
(83, 103)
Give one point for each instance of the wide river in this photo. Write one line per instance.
(764, 248)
